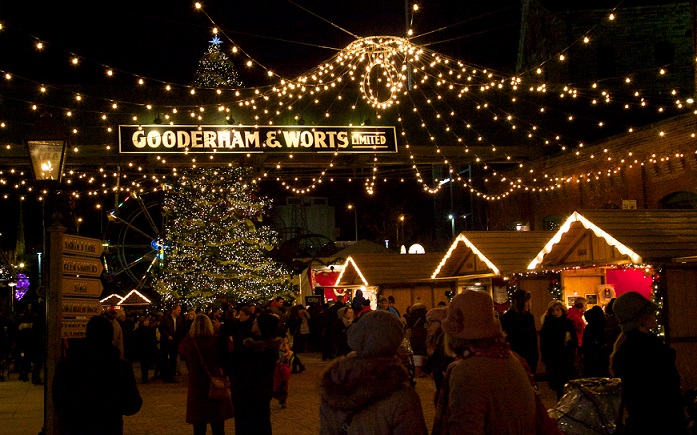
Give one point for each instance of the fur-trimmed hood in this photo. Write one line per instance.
(352, 383)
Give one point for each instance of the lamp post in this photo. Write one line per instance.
(47, 143)
(12, 284)
(401, 230)
(452, 224)
(355, 218)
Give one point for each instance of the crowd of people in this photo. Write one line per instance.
(483, 365)
(22, 343)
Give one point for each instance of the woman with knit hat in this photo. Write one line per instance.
(366, 391)
(646, 365)
(487, 389)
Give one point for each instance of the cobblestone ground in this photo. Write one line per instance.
(164, 405)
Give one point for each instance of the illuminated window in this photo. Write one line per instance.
(551, 223)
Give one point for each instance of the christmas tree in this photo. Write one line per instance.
(215, 69)
(216, 247)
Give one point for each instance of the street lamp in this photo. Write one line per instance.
(12, 284)
(47, 143)
(452, 224)
(355, 218)
(401, 229)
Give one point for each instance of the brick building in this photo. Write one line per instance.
(643, 38)
(654, 166)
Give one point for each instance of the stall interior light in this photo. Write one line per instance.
(350, 261)
(475, 251)
(577, 217)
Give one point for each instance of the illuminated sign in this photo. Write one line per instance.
(158, 139)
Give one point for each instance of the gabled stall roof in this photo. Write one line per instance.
(112, 299)
(620, 236)
(134, 297)
(490, 253)
(380, 269)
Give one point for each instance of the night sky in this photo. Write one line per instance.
(165, 40)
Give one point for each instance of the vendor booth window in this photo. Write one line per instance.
(679, 200)
(551, 223)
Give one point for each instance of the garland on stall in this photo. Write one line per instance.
(511, 287)
(555, 288)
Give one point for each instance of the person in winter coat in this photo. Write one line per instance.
(558, 345)
(94, 388)
(416, 324)
(340, 337)
(595, 352)
(357, 303)
(200, 348)
(172, 332)
(487, 390)
(519, 325)
(646, 366)
(145, 345)
(438, 360)
(367, 391)
(253, 365)
(298, 331)
(575, 314)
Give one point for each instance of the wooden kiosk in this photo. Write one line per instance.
(487, 260)
(405, 277)
(604, 253)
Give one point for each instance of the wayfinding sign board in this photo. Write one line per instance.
(81, 287)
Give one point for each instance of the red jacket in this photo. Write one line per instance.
(576, 317)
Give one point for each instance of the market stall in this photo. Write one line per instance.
(495, 261)
(405, 277)
(601, 254)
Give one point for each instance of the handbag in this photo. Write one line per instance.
(219, 386)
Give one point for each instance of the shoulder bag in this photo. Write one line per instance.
(219, 388)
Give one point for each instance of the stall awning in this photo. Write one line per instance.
(379, 269)
(620, 237)
(490, 253)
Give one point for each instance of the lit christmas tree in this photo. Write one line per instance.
(214, 248)
(215, 69)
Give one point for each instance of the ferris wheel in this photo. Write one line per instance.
(135, 246)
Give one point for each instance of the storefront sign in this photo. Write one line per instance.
(158, 139)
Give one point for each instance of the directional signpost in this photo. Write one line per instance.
(80, 285)
(72, 299)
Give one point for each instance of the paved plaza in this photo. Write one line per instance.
(164, 405)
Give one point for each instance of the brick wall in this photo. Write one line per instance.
(669, 166)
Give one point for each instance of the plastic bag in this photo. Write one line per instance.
(589, 406)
